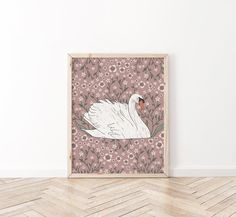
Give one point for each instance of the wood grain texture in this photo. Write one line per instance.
(172, 197)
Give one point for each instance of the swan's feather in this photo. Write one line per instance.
(110, 119)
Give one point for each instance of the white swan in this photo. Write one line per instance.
(117, 120)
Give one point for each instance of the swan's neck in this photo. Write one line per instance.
(142, 129)
(133, 113)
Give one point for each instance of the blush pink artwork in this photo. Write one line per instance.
(118, 115)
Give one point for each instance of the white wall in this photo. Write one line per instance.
(35, 37)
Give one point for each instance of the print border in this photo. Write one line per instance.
(69, 116)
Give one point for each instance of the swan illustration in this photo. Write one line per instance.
(117, 120)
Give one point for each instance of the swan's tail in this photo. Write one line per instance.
(95, 132)
(86, 117)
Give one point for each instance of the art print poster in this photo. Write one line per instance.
(118, 114)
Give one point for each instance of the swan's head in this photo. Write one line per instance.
(138, 99)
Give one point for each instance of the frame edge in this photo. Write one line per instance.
(165, 173)
(69, 111)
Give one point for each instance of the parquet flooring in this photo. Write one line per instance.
(162, 197)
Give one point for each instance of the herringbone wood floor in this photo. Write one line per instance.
(176, 197)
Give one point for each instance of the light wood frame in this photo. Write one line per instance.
(166, 124)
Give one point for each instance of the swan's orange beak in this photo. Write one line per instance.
(141, 104)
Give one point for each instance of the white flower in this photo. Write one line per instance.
(126, 161)
(146, 76)
(127, 65)
(101, 84)
(118, 158)
(159, 144)
(122, 69)
(142, 84)
(107, 157)
(112, 68)
(161, 87)
(131, 155)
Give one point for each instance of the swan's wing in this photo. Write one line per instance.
(109, 118)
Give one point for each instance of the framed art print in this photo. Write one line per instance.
(118, 115)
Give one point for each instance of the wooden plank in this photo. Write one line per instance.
(118, 197)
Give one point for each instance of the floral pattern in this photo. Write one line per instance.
(116, 79)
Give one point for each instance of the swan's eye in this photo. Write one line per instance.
(141, 100)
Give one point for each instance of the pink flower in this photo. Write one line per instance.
(125, 82)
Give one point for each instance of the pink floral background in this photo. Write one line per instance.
(116, 79)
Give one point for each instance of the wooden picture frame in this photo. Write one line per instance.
(165, 172)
